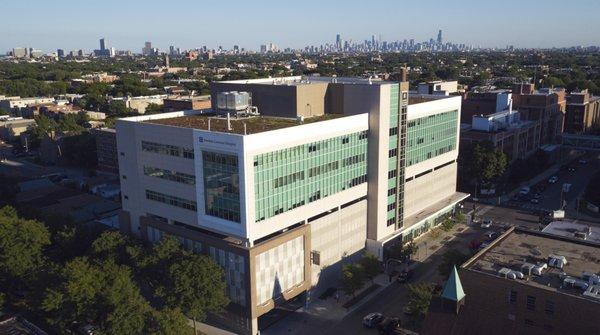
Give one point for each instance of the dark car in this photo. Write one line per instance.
(372, 319)
(491, 235)
(388, 325)
(405, 276)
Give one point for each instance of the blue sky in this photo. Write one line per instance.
(71, 24)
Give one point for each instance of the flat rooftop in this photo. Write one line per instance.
(574, 230)
(307, 80)
(516, 247)
(254, 124)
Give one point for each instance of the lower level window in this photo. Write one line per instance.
(171, 200)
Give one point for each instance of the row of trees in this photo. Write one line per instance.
(56, 277)
(355, 275)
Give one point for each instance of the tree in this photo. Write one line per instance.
(448, 224)
(451, 258)
(169, 321)
(125, 310)
(195, 283)
(76, 297)
(371, 265)
(21, 244)
(154, 109)
(4, 112)
(102, 292)
(489, 162)
(80, 149)
(44, 127)
(419, 297)
(402, 251)
(353, 278)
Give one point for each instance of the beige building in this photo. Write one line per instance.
(282, 202)
(12, 127)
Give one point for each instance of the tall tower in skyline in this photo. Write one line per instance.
(439, 38)
(338, 41)
(102, 44)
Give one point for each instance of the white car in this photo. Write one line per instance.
(486, 223)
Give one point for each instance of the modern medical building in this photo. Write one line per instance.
(285, 178)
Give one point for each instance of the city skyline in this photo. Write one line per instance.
(128, 25)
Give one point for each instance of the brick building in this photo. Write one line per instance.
(106, 148)
(583, 112)
(191, 103)
(524, 282)
(546, 105)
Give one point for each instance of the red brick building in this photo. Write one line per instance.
(524, 282)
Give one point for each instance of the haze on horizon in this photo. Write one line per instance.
(71, 24)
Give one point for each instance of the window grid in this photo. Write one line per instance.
(171, 200)
(166, 149)
(221, 185)
(178, 177)
(293, 177)
(431, 136)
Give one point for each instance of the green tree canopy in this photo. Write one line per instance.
(353, 278)
(21, 244)
(371, 265)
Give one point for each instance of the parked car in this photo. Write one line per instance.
(405, 276)
(553, 179)
(491, 235)
(388, 325)
(487, 223)
(483, 245)
(534, 201)
(524, 190)
(372, 319)
(582, 161)
(408, 310)
(572, 169)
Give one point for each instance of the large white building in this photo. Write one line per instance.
(281, 202)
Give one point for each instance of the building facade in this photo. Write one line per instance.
(505, 130)
(281, 202)
(583, 112)
(545, 105)
(106, 150)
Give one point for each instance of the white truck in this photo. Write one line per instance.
(558, 214)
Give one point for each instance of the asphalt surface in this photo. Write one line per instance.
(392, 300)
(552, 196)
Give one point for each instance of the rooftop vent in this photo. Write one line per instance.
(555, 261)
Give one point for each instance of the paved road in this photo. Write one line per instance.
(392, 299)
(551, 196)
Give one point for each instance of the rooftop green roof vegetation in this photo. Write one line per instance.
(254, 124)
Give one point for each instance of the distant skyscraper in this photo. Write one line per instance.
(147, 49)
(102, 44)
(439, 39)
(60, 53)
(20, 52)
(338, 41)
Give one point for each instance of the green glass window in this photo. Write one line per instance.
(221, 185)
(293, 177)
(431, 136)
